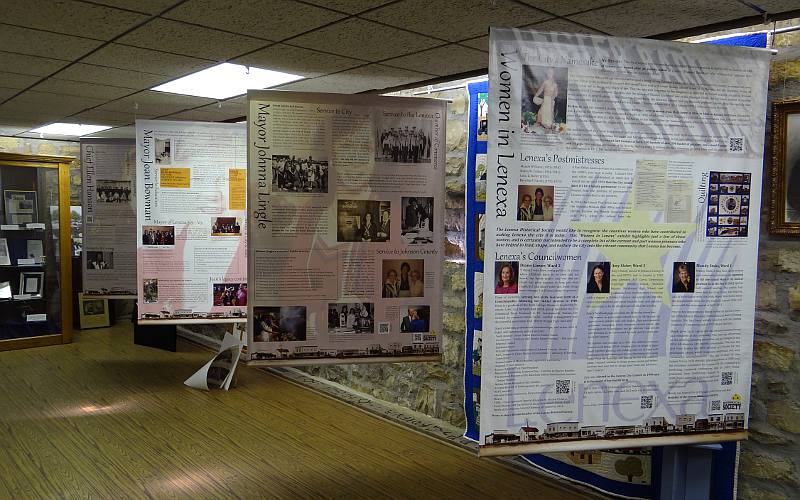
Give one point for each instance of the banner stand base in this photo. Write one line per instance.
(164, 337)
(686, 472)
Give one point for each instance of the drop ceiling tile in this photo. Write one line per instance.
(5, 93)
(17, 81)
(297, 60)
(654, 17)
(479, 43)
(232, 107)
(111, 76)
(190, 40)
(482, 42)
(372, 77)
(42, 43)
(155, 103)
(70, 17)
(776, 6)
(363, 39)
(29, 65)
(10, 114)
(57, 103)
(562, 25)
(199, 116)
(455, 19)
(101, 117)
(565, 7)
(274, 20)
(146, 6)
(443, 61)
(350, 6)
(115, 133)
(82, 89)
(11, 130)
(150, 61)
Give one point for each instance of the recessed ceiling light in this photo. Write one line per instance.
(74, 129)
(226, 80)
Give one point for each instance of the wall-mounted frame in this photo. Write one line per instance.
(784, 217)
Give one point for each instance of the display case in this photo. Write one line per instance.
(35, 251)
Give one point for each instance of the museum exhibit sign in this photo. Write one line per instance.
(191, 229)
(620, 248)
(345, 240)
(108, 187)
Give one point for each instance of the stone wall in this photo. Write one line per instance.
(769, 460)
(55, 148)
(436, 389)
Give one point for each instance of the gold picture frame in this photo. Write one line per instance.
(784, 217)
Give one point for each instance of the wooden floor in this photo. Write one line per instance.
(103, 418)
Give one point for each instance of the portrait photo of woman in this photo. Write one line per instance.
(683, 277)
(506, 273)
(599, 277)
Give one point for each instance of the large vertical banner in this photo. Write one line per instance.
(619, 275)
(109, 216)
(346, 227)
(192, 195)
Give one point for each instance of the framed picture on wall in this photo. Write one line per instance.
(784, 217)
(20, 207)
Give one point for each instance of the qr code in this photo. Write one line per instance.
(716, 405)
(384, 328)
(736, 144)
(647, 403)
(562, 386)
(727, 378)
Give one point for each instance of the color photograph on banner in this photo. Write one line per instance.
(109, 216)
(608, 233)
(192, 192)
(345, 235)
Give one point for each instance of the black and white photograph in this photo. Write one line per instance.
(363, 221)
(544, 99)
(113, 191)
(158, 235)
(5, 257)
(351, 318)
(93, 307)
(97, 259)
(415, 319)
(417, 220)
(279, 324)
(163, 151)
(150, 289)
(21, 207)
(226, 226)
(299, 174)
(402, 278)
(403, 140)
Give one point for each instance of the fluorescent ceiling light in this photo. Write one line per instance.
(74, 129)
(226, 80)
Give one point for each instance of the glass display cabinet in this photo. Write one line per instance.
(35, 251)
